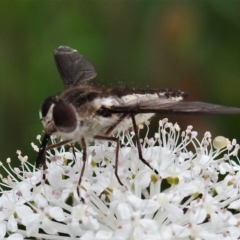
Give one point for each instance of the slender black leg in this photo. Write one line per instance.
(84, 159)
(74, 155)
(43, 157)
(111, 128)
(58, 144)
(106, 138)
(139, 145)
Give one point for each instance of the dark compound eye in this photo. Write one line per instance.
(46, 105)
(64, 117)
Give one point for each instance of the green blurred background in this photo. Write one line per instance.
(189, 45)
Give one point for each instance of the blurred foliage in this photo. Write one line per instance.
(188, 45)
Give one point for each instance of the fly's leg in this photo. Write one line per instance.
(139, 145)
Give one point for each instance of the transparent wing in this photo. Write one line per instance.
(73, 68)
(157, 105)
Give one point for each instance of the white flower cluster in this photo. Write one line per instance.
(196, 194)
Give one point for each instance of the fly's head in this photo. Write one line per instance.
(58, 116)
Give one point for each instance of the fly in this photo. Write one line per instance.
(83, 112)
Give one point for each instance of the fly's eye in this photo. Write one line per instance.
(46, 106)
(64, 117)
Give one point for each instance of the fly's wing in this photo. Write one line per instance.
(169, 106)
(73, 68)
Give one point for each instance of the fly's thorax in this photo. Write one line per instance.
(94, 117)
